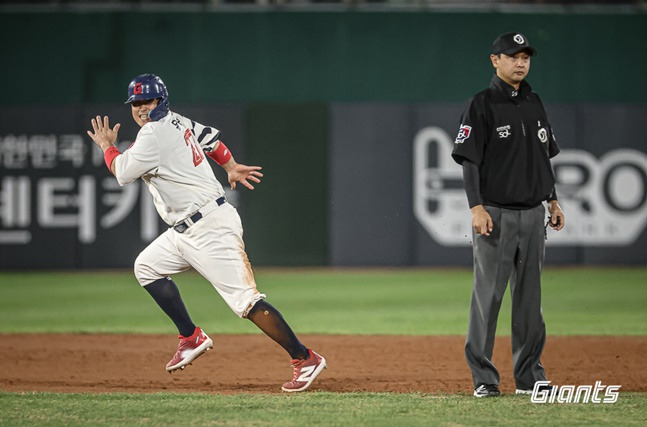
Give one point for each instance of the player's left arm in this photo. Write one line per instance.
(236, 172)
(206, 136)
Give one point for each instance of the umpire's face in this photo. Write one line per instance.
(512, 69)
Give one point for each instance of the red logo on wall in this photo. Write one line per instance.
(138, 88)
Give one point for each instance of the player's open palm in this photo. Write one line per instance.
(103, 136)
(244, 174)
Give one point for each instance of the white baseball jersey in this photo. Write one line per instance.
(168, 155)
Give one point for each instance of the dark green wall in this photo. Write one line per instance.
(63, 58)
(284, 69)
(286, 221)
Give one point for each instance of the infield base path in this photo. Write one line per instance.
(254, 364)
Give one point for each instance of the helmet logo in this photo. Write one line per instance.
(137, 90)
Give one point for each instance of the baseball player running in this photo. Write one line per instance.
(205, 231)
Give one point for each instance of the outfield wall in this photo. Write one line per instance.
(350, 114)
(411, 204)
(85, 57)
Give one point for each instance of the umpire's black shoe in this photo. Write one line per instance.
(541, 389)
(487, 390)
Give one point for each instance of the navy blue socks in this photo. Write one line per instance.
(270, 321)
(167, 296)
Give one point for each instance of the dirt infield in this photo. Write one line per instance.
(254, 364)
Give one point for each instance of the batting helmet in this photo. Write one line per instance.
(149, 86)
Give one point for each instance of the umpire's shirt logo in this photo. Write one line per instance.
(504, 131)
(542, 134)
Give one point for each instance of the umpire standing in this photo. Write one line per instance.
(504, 145)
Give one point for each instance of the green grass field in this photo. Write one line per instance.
(391, 301)
(365, 409)
(591, 301)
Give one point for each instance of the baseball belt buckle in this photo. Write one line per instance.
(188, 222)
(184, 225)
(181, 227)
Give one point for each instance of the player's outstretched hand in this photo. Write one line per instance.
(103, 136)
(244, 174)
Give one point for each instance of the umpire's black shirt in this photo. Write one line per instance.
(506, 133)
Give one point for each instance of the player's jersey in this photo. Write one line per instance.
(169, 157)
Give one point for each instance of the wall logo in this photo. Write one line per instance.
(518, 38)
(573, 394)
(605, 198)
(463, 134)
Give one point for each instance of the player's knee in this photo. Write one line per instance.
(144, 272)
(257, 302)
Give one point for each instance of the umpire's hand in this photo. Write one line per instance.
(556, 215)
(481, 220)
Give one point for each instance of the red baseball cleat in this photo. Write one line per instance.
(305, 371)
(189, 349)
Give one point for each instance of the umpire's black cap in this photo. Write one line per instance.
(512, 43)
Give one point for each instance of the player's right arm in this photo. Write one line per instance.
(105, 138)
(132, 163)
(142, 157)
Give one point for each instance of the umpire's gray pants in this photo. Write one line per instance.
(514, 250)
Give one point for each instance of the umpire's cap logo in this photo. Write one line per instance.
(519, 39)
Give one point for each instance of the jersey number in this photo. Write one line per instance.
(198, 157)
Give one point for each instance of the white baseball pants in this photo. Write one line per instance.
(214, 247)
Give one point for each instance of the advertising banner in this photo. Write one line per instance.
(601, 181)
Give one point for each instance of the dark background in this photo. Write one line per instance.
(329, 103)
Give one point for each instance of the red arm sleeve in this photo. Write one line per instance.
(221, 154)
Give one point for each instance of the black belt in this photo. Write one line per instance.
(184, 225)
